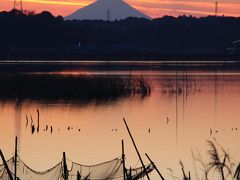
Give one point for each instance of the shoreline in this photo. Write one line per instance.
(235, 58)
(69, 65)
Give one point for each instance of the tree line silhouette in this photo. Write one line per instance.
(30, 33)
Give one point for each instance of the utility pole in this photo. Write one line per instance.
(108, 15)
(216, 9)
(18, 3)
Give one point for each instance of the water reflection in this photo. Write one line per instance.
(184, 107)
(18, 120)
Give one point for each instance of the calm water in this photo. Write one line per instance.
(207, 101)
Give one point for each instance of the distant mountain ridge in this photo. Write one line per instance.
(106, 10)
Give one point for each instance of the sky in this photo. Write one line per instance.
(153, 8)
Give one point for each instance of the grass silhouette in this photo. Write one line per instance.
(71, 87)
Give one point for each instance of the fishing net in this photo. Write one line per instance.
(109, 170)
(106, 171)
(3, 175)
(139, 173)
(3, 172)
(1, 169)
(26, 173)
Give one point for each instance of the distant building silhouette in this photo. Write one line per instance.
(236, 45)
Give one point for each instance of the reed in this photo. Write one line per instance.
(71, 87)
(219, 163)
(218, 166)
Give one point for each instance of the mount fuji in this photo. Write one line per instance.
(106, 10)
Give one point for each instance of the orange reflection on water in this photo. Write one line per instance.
(177, 124)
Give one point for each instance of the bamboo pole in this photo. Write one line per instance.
(140, 158)
(6, 166)
(123, 160)
(38, 120)
(78, 175)
(65, 167)
(15, 159)
(155, 167)
(130, 174)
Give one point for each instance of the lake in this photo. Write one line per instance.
(189, 103)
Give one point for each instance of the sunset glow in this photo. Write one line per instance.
(153, 8)
(68, 3)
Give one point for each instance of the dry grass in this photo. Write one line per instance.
(71, 87)
(219, 165)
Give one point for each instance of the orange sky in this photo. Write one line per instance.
(153, 8)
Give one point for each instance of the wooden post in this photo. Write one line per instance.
(123, 160)
(144, 168)
(78, 175)
(65, 167)
(15, 159)
(38, 120)
(6, 166)
(155, 167)
(130, 174)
